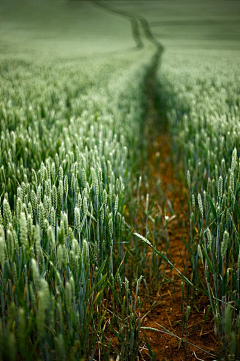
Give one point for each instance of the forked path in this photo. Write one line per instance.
(169, 194)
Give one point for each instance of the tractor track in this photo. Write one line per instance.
(166, 309)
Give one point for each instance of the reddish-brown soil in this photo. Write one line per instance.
(167, 311)
(163, 307)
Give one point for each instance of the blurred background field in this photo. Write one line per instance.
(192, 31)
(55, 28)
(80, 28)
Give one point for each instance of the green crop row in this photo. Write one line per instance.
(69, 133)
(203, 111)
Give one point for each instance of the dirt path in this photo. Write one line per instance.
(167, 191)
(165, 307)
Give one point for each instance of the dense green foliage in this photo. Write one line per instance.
(65, 161)
(203, 110)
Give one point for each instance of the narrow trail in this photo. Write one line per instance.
(133, 21)
(139, 25)
(165, 308)
(168, 192)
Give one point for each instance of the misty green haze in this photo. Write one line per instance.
(77, 28)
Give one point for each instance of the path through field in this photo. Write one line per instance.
(164, 308)
(105, 252)
(169, 193)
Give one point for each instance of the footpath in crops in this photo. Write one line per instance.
(165, 310)
(172, 332)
